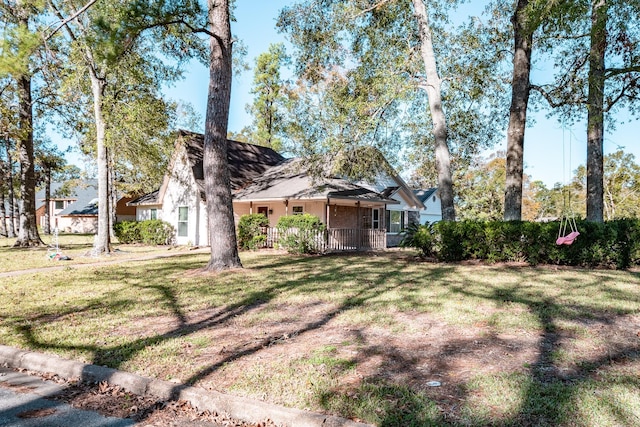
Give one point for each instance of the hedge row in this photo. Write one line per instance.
(614, 244)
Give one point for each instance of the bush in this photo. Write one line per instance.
(250, 235)
(420, 237)
(127, 232)
(301, 234)
(149, 232)
(156, 232)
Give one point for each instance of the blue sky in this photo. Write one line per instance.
(544, 140)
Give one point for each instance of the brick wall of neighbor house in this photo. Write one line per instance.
(124, 212)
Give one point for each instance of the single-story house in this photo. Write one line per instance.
(263, 181)
(73, 207)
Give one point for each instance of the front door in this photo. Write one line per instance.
(263, 210)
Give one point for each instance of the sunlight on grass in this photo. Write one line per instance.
(160, 318)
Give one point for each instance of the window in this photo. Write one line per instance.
(59, 204)
(395, 221)
(375, 217)
(183, 221)
(154, 214)
(264, 210)
(366, 219)
(297, 210)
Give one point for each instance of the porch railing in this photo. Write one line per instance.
(333, 239)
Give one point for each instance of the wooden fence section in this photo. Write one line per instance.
(332, 240)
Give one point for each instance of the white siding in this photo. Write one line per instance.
(432, 211)
(182, 191)
(143, 213)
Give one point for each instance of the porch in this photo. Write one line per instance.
(333, 239)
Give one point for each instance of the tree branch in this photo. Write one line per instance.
(64, 22)
(546, 95)
(182, 22)
(369, 9)
(611, 72)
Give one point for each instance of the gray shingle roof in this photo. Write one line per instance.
(146, 199)
(424, 194)
(86, 194)
(246, 161)
(288, 180)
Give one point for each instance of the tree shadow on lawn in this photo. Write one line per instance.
(548, 394)
(551, 393)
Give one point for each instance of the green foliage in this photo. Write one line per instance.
(420, 237)
(250, 235)
(304, 222)
(127, 232)
(300, 234)
(149, 232)
(614, 244)
(269, 97)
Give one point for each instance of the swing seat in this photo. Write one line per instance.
(568, 239)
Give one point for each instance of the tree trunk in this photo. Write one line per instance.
(520, 89)
(12, 213)
(595, 112)
(47, 201)
(11, 228)
(433, 88)
(3, 214)
(103, 242)
(222, 233)
(28, 230)
(113, 198)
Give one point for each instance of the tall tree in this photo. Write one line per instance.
(433, 87)
(595, 110)
(269, 92)
(384, 54)
(112, 39)
(19, 43)
(520, 88)
(598, 44)
(222, 234)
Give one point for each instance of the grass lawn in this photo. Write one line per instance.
(384, 338)
(75, 246)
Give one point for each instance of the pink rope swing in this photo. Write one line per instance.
(567, 239)
(567, 220)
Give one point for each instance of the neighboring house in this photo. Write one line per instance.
(74, 208)
(262, 181)
(432, 211)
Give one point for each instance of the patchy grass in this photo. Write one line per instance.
(355, 335)
(75, 246)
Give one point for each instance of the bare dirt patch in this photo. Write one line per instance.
(415, 350)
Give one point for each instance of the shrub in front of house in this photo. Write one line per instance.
(156, 232)
(127, 232)
(250, 231)
(614, 244)
(301, 234)
(149, 232)
(420, 237)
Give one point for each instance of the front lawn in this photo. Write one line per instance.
(382, 338)
(78, 247)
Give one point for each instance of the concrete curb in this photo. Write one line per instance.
(242, 408)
